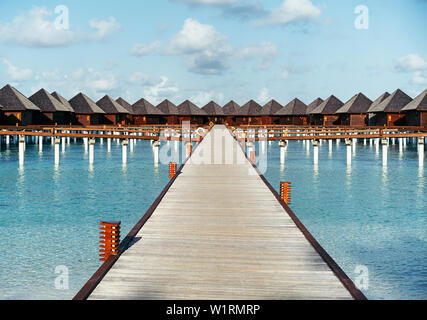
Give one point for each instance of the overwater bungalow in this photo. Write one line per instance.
(313, 105)
(325, 113)
(371, 116)
(145, 113)
(128, 107)
(17, 109)
(115, 114)
(249, 113)
(268, 112)
(231, 110)
(170, 112)
(294, 113)
(86, 110)
(355, 111)
(52, 111)
(416, 111)
(188, 111)
(389, 111)
(71, 117)
(214, 112)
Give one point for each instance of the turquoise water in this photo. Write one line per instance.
(367, 214)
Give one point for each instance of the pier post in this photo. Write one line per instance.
(400, 145)
(131, 145)
(348, 144)
(316, 143)
(330, 145)
(41, 144)
(109, 144)
(21, 150)
(63, 144)
(7, 140)
(91, 150)
(421, 152)
(125, 151)
(283, 145)
(384, 143)
(86, 142)
(156, 147)
(56, 149)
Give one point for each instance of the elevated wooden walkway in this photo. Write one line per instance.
(220, 232)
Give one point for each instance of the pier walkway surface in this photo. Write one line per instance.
(220, 232)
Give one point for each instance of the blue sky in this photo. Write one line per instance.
(218, 50)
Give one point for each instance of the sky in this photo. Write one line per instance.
(218, 50)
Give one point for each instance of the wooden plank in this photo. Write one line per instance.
(220, 233)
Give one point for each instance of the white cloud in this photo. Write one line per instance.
(266, 52)
(142, 49)
(104, 28)
(264, 95)
(203, 97)
(415, 64)
(291, 11)
(156, 93)
(15, 73)
(206, 49)
(411, 62)
(37, 29)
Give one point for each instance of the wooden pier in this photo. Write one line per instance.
(219, 231)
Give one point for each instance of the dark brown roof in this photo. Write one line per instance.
(314, 105)
(46, 102)
(295, 107)
(168, 107)
(213, 109)
(231, 108)
(125, 104)
(143, 107)
(271, 108)
(83, 104)
(61, 99)
(250, 108)
(12, 99)
(393, 103)
(189, 108)
(377, 101)
(110, 106)
(329, 106)
(359, 103)
(419, 103)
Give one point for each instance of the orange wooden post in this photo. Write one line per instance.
(172, 169)
(189, 148)
(285, 192)
(109, 239)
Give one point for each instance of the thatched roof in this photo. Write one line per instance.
(110, 106)
(296, 107)
(419, 103)
(83, 104)
(314, 105)
(46, 102)
(329, 106)
(377, 101)
(393, 103)
(13, 100)
(231, 108)
(250, 108)
(359, 103)
(189, 108)
(271, 108)
(213, 109)
(125, 104)
(143, 107)
(168, 107)
(64, 101)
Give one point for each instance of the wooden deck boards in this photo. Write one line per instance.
(220, 233)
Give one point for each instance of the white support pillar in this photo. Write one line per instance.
(91, 151)
(421, 152)
(283, 144)
(57, 141)
(125, 151)
(63, 144)
(330, 145)
(348, 144)
(7, 140)
(109, 144)
(384, 143)
(156, 147)
(131, 144)
(316, 144)
(21, 150)
(41, 144)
